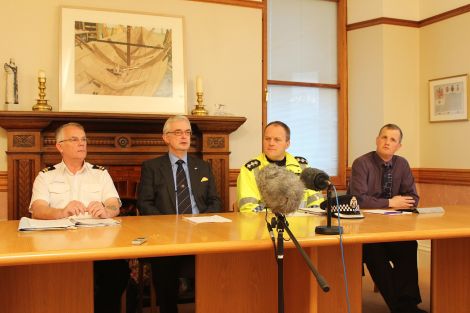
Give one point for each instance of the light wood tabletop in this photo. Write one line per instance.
(235, 260)
(174, 235)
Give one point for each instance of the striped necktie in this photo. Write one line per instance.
(387, 181)
(182, 190)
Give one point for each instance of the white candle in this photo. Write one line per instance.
(199, 84)
(42, 74)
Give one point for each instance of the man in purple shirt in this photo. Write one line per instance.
(381, 179)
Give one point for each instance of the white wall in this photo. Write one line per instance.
(222, 43)
(363, 10)
(445, 52)
(383, 69)
(365, 89)
(401, 86)
(430, 8)
(396, 63)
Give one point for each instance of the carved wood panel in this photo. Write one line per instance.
(25, 171)
(120, 142)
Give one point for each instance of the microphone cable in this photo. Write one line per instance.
(271, 232)
(342, 250)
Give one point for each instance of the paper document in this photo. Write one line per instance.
(437, 209)
(33, 224)
(94, 221)
(27, 223)
(316, 211)
(207, 219)
(385, 212)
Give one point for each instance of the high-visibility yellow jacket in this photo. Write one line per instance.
(248, 195)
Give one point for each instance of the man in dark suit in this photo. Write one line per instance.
(175, 183)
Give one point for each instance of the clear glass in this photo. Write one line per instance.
(312, 115)
(302, 41)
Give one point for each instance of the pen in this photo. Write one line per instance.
(392, 212)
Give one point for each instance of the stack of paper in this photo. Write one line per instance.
(64, 223)
(33, 224)
(90, 222)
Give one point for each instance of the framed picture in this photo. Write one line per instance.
(121, 62)
(448, 99)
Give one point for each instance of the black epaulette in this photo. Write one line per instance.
(47, 169)
(99, 167)
(252, 164)
(301, 160)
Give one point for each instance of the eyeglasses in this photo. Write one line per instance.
(75, 140)
(179, 133)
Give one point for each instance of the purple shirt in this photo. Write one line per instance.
(366, 180)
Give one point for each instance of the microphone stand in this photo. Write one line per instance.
(281, 224)
(280, 266)
(328, 229)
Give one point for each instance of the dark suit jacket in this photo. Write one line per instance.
(157, 194)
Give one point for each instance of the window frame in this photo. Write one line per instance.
(341, 86)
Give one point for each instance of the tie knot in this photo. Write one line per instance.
(180, 162)
(387, 166)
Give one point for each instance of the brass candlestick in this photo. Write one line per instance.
(41, 103)
(199, 109)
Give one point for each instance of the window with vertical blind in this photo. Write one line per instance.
(304, 78)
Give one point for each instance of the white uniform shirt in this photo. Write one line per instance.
(58, 186)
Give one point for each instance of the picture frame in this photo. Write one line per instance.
(121, 62)
(448, 98)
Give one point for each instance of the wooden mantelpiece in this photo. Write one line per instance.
(119, 142)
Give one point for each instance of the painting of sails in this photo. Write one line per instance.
(121, 62)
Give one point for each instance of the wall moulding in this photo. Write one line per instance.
(259, 4)
(409, 23)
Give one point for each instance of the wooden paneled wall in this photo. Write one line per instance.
(120, 142)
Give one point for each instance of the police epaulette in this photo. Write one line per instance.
(47, 169)
(98, 167)
(301, 160)
(252, 164)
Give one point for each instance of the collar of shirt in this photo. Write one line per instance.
(174, 159)
(279, 163)
(65, 169)
(381, 162)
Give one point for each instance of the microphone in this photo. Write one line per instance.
(318, 180)
(281, 190)
(315, 179)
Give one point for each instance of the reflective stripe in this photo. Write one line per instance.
(247, 200)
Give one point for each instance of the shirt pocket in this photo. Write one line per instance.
(59, 195)
(91, 192)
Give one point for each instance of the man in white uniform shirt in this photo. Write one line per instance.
(75, 187)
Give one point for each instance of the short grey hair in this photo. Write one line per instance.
(59, 133)
(176, 118)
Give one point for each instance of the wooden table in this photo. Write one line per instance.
(235, 265)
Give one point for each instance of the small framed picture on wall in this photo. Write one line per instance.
(448, 99)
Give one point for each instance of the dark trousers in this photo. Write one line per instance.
(393, 267)
(110, 280)
(165, 274)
